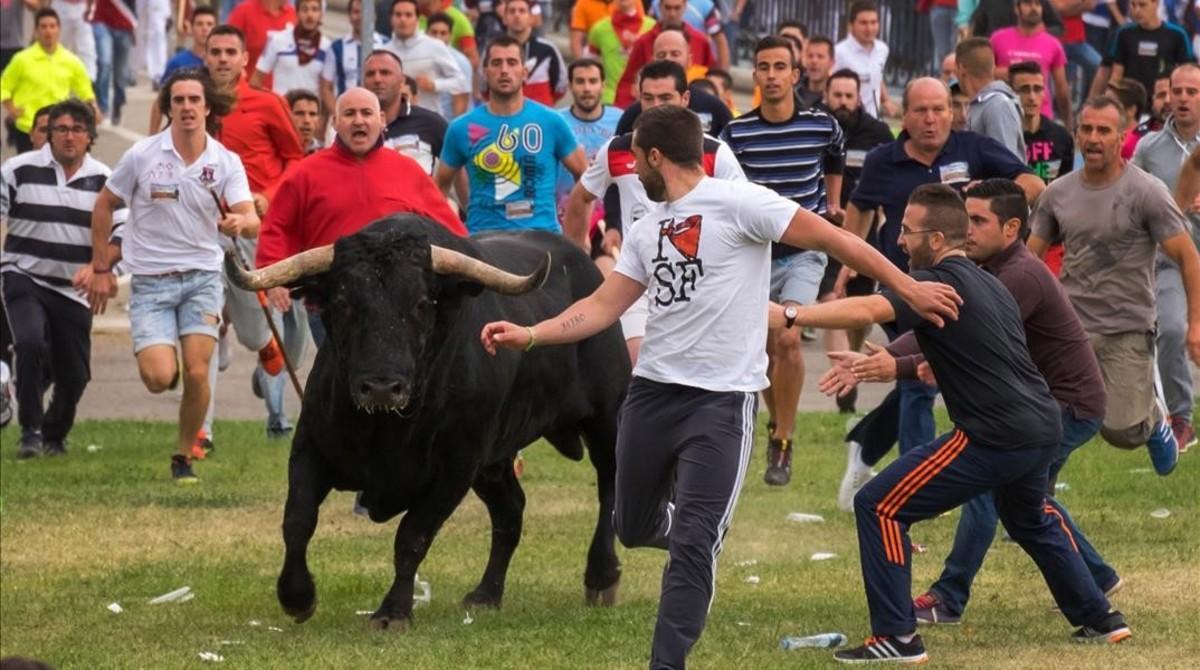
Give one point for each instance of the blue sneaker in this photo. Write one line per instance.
(1164, 450)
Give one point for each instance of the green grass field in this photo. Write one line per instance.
(80, 532)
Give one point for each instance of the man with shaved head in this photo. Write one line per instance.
(340, 189)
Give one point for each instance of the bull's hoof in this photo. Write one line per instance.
(393, 623)
(297, 596)
(479, 600)
(602, 597)
(300, 616)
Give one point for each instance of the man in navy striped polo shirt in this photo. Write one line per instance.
(798, 153)
(47, 198)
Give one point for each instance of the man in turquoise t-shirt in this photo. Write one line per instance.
(511, 148)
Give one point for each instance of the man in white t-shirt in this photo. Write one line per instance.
(295, 58)
(613, 166)
(171, 247)
(867, 55)
(704, 252)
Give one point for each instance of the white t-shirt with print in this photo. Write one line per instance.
(172, 217)
(281, 60)
(706, 262)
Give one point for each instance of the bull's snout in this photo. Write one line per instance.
(380, 393)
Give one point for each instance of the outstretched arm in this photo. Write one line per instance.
(858, 312)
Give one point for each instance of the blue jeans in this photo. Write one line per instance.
(916, 414)
(112, 65)
(1084, 60)
(945, 34)
(977, 528)
(317, 328)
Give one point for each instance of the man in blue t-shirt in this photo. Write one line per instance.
(203, 20)
(511, 148)
(591, 121)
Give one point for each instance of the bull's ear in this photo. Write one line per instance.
(308, 289)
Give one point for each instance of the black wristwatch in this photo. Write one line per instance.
(791, 313)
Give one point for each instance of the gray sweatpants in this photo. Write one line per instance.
(1173, 363)
(682, 454)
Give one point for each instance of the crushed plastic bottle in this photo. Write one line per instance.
(822, 641)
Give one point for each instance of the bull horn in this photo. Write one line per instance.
(281, 273)
(448, 262)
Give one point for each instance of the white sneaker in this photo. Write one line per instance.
(857, 475)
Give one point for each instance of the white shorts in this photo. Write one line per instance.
(633, 321)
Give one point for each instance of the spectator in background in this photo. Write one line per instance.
(1161, 153)
(670, 15)
(705, 16)
(949, 71)
(992, 15)
(613, 37)
(1144, 50)
(154, 16)
(113, 24)
(712, 112)
(546, 73)
(994, 110)
(1160, 100)
(12, 27)
(77, 35)
(425, 59)
(958, 104)
(39, 134)
(1049, 148)
(671, 44)
(294, 59)
(733, 28)
(257, 19)
(1083, 59)
(867, 55)
(1132, 97)
(306, 118)
(45, 196)
(794, 30)
(341, 68)
(1101, 23)
(941, 27)
(1029, 41)
(584, 15)
(203, 20)
(722, 81)
(440, 26)
(41, 74)
(818, 65)
(591, 121)
(462, 36)
(413, 131)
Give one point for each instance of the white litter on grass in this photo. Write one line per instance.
(1136, 471)
(211, 657)
(746, 564)
(115, 608)
(93, 448)
(254, 622)
(1062, 486)
(182, 594)
(803, 517)
(1161, 513)
(274, 629)
(743, 624)
(467, 620)
(752, 579)
(823, 556)
(226, 643)
(363, 612)
(422, 594)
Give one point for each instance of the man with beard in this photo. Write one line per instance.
(1161, 153)
(592, 122)
(862, 133)
(1029, 40)
(1112, 218)
(511, 148)
(796, 152)
(687, 425)
(1006, 433)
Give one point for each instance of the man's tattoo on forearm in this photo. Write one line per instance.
(572, 322)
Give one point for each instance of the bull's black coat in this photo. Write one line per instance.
(404, 405)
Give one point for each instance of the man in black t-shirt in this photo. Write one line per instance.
(413, 131)
(1006, 432)
(1049, 149)
(1146, 49)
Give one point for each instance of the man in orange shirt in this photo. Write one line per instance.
(584, 15)
(257, 18)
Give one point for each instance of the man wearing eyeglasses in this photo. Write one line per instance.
(47, 199)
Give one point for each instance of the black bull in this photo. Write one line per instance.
(404, 405)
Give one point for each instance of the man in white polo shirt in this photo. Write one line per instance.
(171, 245)
(867, 55)
(687, 426)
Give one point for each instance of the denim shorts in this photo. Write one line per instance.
(164, 308)
(796, 278)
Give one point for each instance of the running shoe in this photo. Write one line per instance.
(201, 446)
(1185, 435)
(1164, 450)
(30, 446)
(779, 462)
(931, 611)
(885, 649)
(181, 470)
(271, 357)
(54, 448)
(1112, 630)
(857, 475)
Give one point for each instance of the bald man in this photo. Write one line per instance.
(313, 207)
(673, 46)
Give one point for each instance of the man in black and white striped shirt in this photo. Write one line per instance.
(47, 199)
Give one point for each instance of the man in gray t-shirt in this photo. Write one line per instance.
(1111, 217)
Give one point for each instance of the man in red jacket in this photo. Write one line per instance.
(670, 16)
(339, 190)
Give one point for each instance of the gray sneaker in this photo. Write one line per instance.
(54, 448)
(31, 446)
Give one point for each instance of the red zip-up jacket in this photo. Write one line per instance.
(333, 193)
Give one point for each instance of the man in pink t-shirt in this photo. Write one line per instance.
(1029, 41)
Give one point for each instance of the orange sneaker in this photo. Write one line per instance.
(271, 358)
(201, 446)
